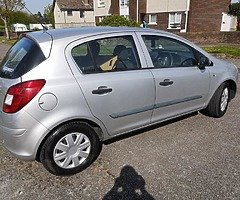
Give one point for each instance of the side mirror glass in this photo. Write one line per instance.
(203, 62)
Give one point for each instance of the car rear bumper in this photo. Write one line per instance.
(23, 143)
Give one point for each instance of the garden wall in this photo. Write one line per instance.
(205, 38)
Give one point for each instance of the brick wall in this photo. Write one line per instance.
(213, 37)
(142, 8)
(133, 9)
(97, 19)
(114, 9)
(206, 15)
(142, 4)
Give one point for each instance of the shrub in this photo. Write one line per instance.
(116, 20)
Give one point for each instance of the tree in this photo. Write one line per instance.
(234, 9)
(22, 17)
(116, 20)
(6, 9)
(48, 14)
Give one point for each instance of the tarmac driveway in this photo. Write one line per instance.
(195, 157)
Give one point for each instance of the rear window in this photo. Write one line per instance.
(21, 58)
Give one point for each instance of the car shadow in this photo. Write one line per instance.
(152, 127)
(129, 185)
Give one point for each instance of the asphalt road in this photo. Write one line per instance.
(195, 157)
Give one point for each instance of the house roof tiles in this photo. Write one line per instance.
(74, 5)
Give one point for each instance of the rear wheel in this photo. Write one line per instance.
(70, 149)
(217, 106)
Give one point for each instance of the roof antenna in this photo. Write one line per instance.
(39, 18)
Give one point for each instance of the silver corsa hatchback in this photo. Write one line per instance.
(64, 92)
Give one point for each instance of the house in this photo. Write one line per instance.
(73, 13)
(206, 15)
(101, 9)
(104, 8)
(170, 15)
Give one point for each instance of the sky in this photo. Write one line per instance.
(37, 5)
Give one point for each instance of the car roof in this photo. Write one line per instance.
(77, 33)
(67, 35)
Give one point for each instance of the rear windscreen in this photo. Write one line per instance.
(21, 58)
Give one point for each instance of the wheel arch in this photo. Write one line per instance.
(93, 124)
(233, 88)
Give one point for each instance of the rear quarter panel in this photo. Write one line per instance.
(71, 104)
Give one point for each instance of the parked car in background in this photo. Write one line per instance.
(63, 92)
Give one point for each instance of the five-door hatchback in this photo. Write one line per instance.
(63, 92)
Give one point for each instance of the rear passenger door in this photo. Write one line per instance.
(112, 76)
(181, 87)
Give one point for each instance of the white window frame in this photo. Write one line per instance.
(101, 3)
(124, 3)
(151, 21)
(175, 20)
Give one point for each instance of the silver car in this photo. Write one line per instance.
(63, 92)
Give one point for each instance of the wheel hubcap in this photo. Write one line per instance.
(224, 99)
(71, 150)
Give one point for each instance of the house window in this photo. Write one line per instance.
(69, 13)
(175, 20)
(82, 14)
(101, 3)
(124, 2)
(153, 19)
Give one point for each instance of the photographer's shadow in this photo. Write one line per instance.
(129, 185)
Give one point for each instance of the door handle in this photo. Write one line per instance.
(102, 90)
(166, 82)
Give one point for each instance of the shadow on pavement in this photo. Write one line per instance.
(129, 185)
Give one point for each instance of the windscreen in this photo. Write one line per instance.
(21, 58)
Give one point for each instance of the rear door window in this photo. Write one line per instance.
(107, 55)
(21, 58)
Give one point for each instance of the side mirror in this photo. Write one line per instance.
(203, 62)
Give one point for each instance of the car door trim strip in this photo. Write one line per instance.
(177, 101)
(132, 112)
(151, 107)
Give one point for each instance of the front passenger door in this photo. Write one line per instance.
(181, 87)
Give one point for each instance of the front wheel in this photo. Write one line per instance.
(70, 149)
(217, 106)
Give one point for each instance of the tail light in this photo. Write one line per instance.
(21, 94)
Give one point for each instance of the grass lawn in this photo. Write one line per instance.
(4, 40)
(224, 51)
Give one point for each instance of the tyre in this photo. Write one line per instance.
(70, 149)
(217, 106)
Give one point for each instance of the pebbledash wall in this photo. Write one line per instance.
(214, 37)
